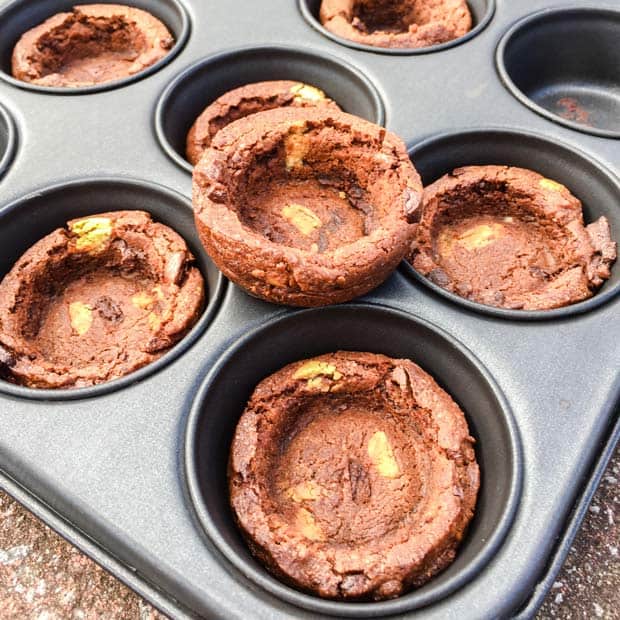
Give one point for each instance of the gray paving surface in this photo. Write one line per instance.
(42, 577)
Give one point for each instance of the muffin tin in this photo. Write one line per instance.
(133, 471)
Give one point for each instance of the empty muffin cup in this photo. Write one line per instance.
(509, 237)
(304, 335)
(245, 101)
(59, 47)
(574, 194)
(398, 26)
(99, 298)
(353, 476)
(306, 206)
(215, 85)
(563, 64)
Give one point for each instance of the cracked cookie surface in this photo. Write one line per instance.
(353, 476)
(511, 238)
(91, 44)
(245, 101)
(397, 23)
(306, 206)
(97, 300)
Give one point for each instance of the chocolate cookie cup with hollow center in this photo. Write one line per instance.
(245, 101)
(306, 207)
(353, 475)
(97, 300)
(509, 237)
(92, 44)
(397, 23)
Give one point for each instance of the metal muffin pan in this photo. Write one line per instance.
(31, 218)
(543, 72)
(120, 471)
(8, 140)
(354, 328)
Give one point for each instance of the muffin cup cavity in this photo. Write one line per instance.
(560, 165)
(574, 84)
(306, 207)
(92, 206)
(362, 29)
(201, 84)
(39, 72)
(374, 329)
(8, 140)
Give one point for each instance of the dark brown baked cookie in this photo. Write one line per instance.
(306, 206)
(247, 100)
(353, 475)
(97, 300)
(508, 237)
(397, 23)
(92, 44)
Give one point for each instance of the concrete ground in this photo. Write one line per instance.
(42, 577)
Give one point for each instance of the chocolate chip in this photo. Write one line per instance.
(464, 289)
(129, 257)
(355, 192)
(358, 479)
(157, 344)
(365, 207)
(328, 181)
(537, 272)
(352, 584)
(439, 277)
(323, 243)
(6, 358)
(358, 24)
(217, 194)
(413, 202)
(109, 310)
(175, 268)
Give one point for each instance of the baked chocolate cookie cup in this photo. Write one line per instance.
(245, 101)
(398, 26)
(303, 334)
(353, 476)
(94, 301)
(396, 23)
(219, 76)
(67, 48)
(584, 263)
(306, 207)
(509, 237)
(103, 300)
(8, 140)
(575, 85)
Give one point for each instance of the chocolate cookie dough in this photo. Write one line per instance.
(306, 206)
(247, 100)
(97, 300)
(508, 237)
(353, 476)
(92, 44)
(397, 23)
